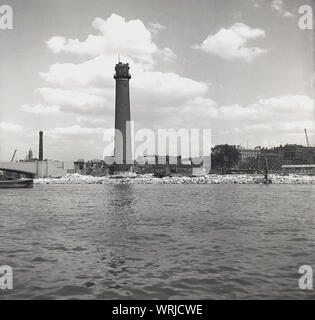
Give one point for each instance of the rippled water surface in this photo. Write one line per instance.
(157, 241)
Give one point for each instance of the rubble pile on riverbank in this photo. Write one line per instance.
(150, 179)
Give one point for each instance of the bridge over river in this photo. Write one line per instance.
(37, 169)
(20, 167)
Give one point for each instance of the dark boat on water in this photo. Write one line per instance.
(21, 183)
(14, 180)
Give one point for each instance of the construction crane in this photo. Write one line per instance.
(307, 140)
(12, 159)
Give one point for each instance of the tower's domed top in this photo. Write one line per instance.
(122, 71)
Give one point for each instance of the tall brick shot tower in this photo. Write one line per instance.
(123, 151)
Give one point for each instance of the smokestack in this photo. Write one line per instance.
(40, 153)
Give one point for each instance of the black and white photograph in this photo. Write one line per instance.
(157, 151)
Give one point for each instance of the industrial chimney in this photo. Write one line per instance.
(40, 153)
(123, 153)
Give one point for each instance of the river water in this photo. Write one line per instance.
(157, 241)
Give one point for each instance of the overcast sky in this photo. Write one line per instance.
(242, 68)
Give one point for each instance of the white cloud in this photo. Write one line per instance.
(87, 121)
(98, 72)
(256, 3)
(115, 36)
(94, 72)
(168, 85)
(268, 121)
(11, 127)
(72, 100)
(297, 106)
(89, 85)
(281, 109)
(232, 43)
(278, 6)
(155, 28)
(168, 55)
(40, 109)
(72, 131)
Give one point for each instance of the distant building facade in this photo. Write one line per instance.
(307, 169)
(276, 158)
(246, 153)
(297, 155)
(152, 164)
(166, 166)
(248, 158)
